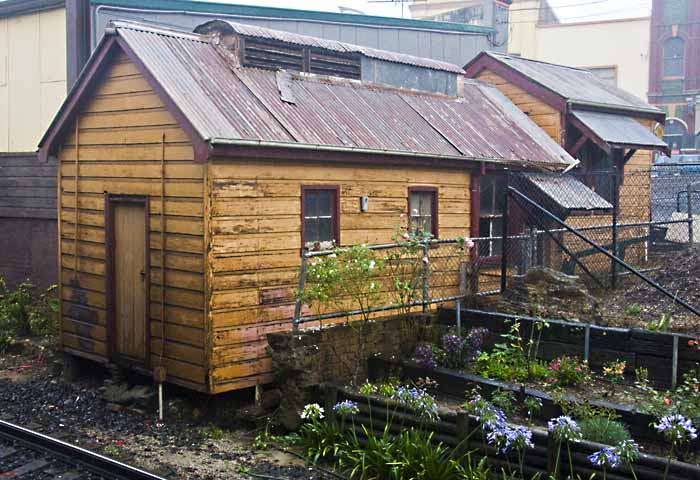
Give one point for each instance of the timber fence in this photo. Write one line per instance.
(457, 429)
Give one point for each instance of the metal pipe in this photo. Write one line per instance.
(325, 316)
(587, 343)
(615, 213)
(638, 274)
(690, 218)
(566, 249)
(459, 317)
(160, 401)
(674, 366)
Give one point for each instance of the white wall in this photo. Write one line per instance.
(32, 76)
(623, 44)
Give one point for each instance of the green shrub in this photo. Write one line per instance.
(603, 429)
(22, 314)
(567, 372)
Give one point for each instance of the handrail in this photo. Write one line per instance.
(637, 273)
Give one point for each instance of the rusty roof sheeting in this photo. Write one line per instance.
(238, 104)
(574, 84)
(567, 192)
(619, 130)
(322, 43)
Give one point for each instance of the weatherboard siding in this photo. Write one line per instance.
(256, 242)
(120, 134)
(545, 116)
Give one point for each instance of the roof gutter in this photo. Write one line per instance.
(226, 142)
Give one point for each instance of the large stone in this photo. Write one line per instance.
(552, 294)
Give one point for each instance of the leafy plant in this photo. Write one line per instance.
(660, 325)
(603, 429)
(633, 310)
(505, 400)
(567, 372)
(22, 314)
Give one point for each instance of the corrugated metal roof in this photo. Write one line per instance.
(574, 84)
(617, 129)
(247, 30)
(229, 104)
(567, 192)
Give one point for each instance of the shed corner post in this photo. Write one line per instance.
(504, 236)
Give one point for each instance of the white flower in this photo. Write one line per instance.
(312, 411)
(425, 260)
(372, 286)
(371, 264)
(406, 236)
(332, 255)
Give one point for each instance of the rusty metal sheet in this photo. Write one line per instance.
(255, 31)
(618, 129)
(574, 84)
(232, 103)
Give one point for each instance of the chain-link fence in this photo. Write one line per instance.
(649, 214)
(403, 276)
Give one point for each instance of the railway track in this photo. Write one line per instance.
(25, 454)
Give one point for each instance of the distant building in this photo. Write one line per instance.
(674, 71)
(617, 51)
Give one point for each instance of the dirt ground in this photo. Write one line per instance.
(636, 304)
(187, 445)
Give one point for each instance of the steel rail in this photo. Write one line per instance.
(612, 257)
(72, 454)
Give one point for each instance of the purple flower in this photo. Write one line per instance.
(346, 407)
(491, 418)
(477, 336)
(608, 457)
(424, 356)
(417, 399)
(452, 344)
(564, 429)
(677, 428)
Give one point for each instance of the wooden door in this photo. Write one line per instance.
(129, 262)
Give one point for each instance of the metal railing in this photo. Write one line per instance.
(441, 269)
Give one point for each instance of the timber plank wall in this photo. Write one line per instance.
(27, 219)
(256, 243)
(124, 132)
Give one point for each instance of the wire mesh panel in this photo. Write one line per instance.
(363, 280)
(644, 216)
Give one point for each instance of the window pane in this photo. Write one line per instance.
(496, 230)
(324, 203)
(310, 209)
(426, 204)
(674, 54)
(414, 203)
(325, 229)
(311, 230)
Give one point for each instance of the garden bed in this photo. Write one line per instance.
(455, 383)
(654, 351)
(379, 417)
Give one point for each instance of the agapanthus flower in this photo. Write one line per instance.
(312, 411)
(490, 417)
(417, 399)
(346, 408)
(564, 428)
(452, 343)
(677, 428)
(628, 450)
(424, 356)
(608, 457)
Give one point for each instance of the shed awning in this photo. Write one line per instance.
(562, 194)
(616, 131)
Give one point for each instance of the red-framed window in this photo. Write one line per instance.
(320, 210)
(423, 209)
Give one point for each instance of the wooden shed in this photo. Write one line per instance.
(594, 121)
(190, 182)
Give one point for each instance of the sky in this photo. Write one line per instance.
(567, 10)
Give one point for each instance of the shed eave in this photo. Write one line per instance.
(221, 146)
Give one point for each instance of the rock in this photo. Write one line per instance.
(551, 294)
(271, 398)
